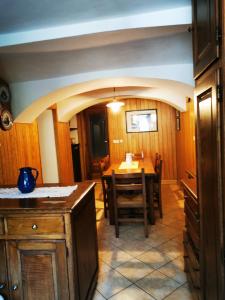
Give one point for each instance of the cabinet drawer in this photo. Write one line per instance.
(192, 203)
(35, 225)
(190, 253)
(194, 236)
(192, 218)
(195, 292)
(1, 225)
(194, 276)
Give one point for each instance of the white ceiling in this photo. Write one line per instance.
(68, 41)
(133, 45)
(23, 15)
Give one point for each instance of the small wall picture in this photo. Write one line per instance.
(141, 120)
(177, 120)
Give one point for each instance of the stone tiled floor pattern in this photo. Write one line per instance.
(133, 267)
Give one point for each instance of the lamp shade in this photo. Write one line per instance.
(115, 105)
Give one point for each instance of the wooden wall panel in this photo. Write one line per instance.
(185, 143)
(19, 147)
(82, 137)
(64, 152)
(163, 141)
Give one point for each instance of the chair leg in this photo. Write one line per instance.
(105, 209)
(117, 229)
(160, 204)
(146, 222)
(116, 221)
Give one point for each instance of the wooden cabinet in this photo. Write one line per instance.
(208, 107)
(4, 286)
(37, 270)
(206, 33)
(192, 239)
(48, 247)
(209, 54)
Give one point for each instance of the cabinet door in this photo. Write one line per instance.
(205, 33)
(209, 183)
(37, 270)
(3, 271)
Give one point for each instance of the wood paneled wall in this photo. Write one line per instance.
(82, 137)
(64, 152)
(163, 141)
(185, 141)
(19, 147)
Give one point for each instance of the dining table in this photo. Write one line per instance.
(124, 167)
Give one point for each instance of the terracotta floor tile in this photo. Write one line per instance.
(132, 258)
(175, 270)
(172, 248)
(132, 293)
(134, 270)
(114, 256)
(182, 293)
(135, 247)
(158, 285)
(154, 258)
(98, 296)
(110, 283)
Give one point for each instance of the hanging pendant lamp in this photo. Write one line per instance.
(115, 105)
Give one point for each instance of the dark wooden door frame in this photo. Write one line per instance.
(88, 112)
(212, 240)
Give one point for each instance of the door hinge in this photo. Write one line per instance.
(219, 92)
(218, 35)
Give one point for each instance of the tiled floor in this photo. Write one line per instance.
(132, 267)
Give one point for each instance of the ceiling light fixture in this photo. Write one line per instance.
(115, 105)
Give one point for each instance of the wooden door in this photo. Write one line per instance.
(97, 142)
(37, 270)
(206, 33)
(3, 272)
(98, 134)
(209, 185)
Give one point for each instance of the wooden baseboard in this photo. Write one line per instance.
(169, 181)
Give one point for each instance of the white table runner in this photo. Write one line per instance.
(41, 192)
(131, 165)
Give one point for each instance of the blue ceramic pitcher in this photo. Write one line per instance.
(26, 180)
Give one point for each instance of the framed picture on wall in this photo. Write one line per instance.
(177, 120)
(141, 120)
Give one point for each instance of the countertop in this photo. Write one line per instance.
(51, 205)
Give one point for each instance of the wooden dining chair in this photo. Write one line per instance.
(129, 192)
(105, 185)
(157, 187)
(105, 192)
(157, 159)
(138, 155)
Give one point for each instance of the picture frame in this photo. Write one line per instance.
(177, 120)
(145, 120)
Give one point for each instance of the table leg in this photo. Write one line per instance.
(111, 204)
(151, 202)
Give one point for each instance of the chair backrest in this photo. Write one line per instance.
(138, 155)
(158, 169)
(129, 182)
(157, 160)
(104, 187)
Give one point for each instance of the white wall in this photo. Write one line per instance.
(48, 147)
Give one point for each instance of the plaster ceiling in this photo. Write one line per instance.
(26, 15)
(74, 41)
(38, 63)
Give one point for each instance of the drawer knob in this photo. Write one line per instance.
(14, 287)
(2, 286)
(34, 227)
